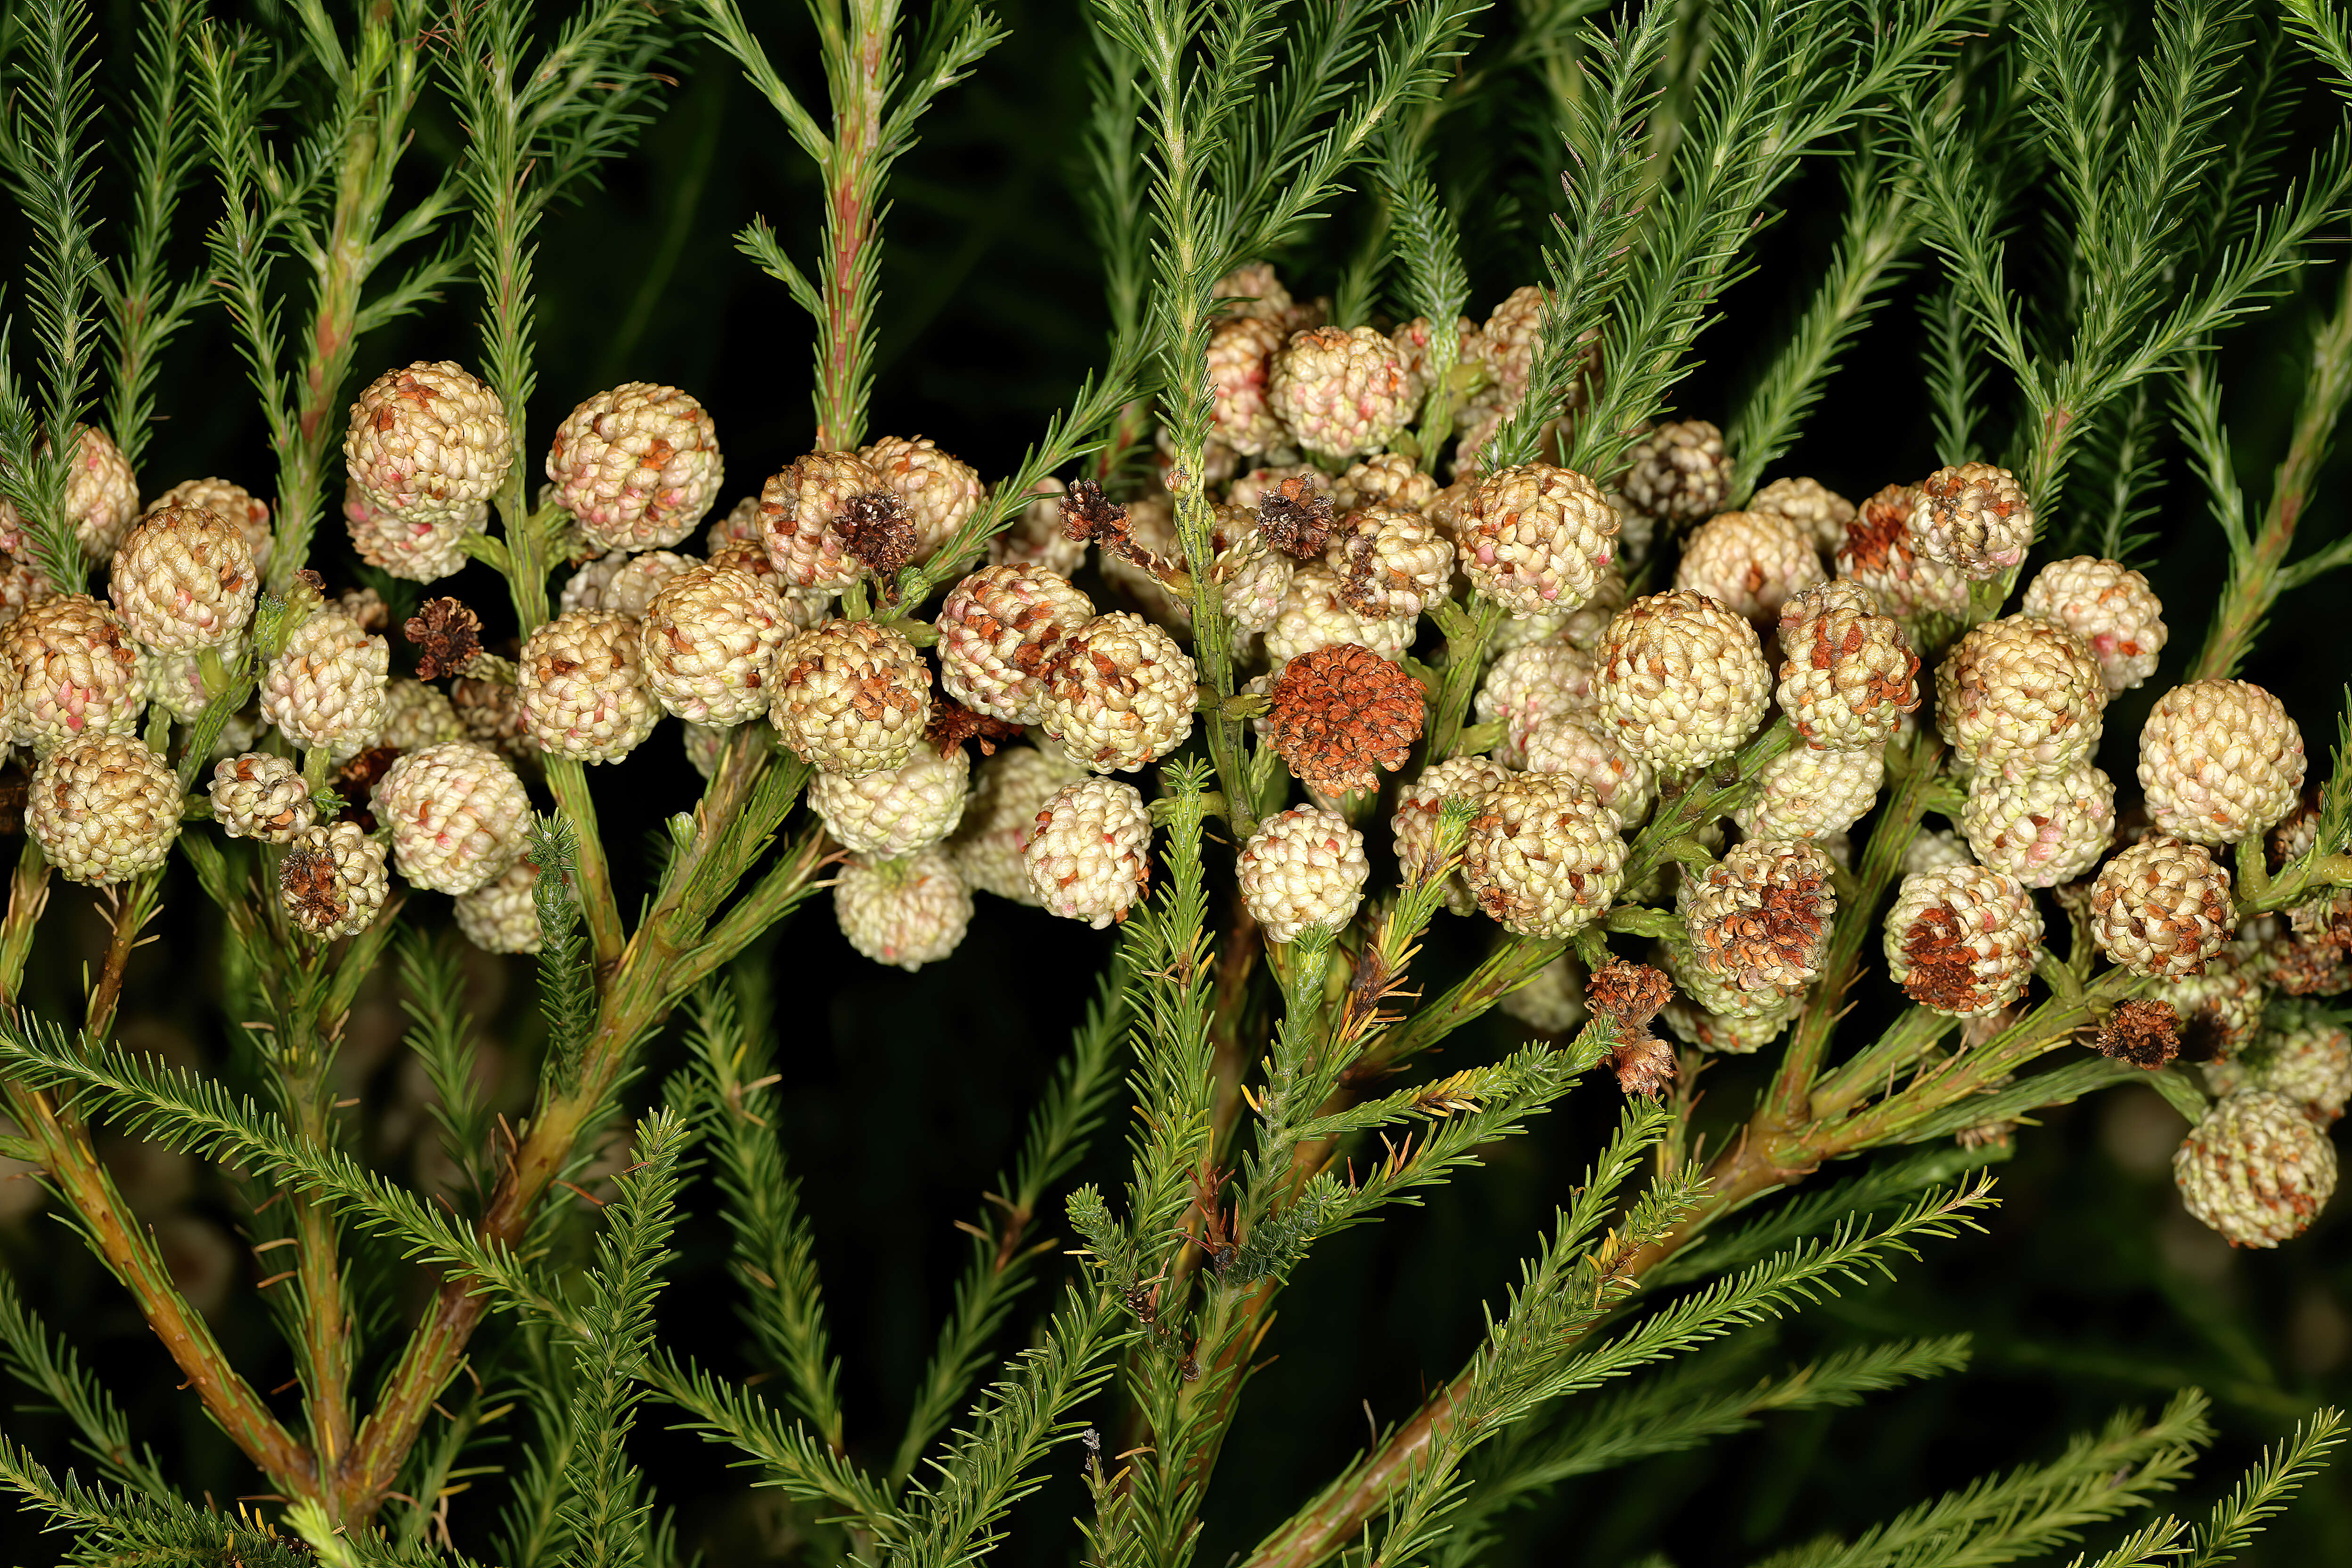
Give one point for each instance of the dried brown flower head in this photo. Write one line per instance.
(952, 724)
(2145, 1034)
(1341, 714)
(1627, 995)
(355, 781)
(446, 636)
(1644, 1066)
(1089, 515)
(307, 881)
(1943, 965)
(879, 530)
(1295, 517)
(1762, 916)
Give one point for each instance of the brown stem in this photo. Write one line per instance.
(133, 906)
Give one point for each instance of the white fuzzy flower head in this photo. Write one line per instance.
(1804, 793)
(1011, 788)
(1090, 855)
(458, 816)
(68, 669)
(1545, 857)
(1119, 694)
(1679, 472)
(1315, 614)
(804, 512)
(1241, 359)
(710, 641)
(1531, 683)
(2219, 760)
(907, 912)
(897, 810)
(2162, 908)
(1535, 538)
(624, 583)
(1821, 512)
(258, 795)
(1750, 561)
(1879, 552)
(102, 497)
(103, 808)
(1578, 745)
(1303, 868)
(2255, 1169)
(1974, 518)
(582, 683)
(940, 492)
(1758, 919)
(248, 513)
(637, 466)
(2109, 607)
(1413, 826)
(184, 579)
(1682, 680)
(1847, 673)
(999, 628)
(328, 688)
(1390, 564)
(2308, 1062)
(419, 544)
(1962, 941)
(2020, 696)
(2042, 830)
(1338, 391)
(428, 437)
(1386, 479)
(502, 916)
(1253, 579)
(851, 697)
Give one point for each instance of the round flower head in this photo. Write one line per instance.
(2020, 696)
(1749, 562)
(1878, 553)
(68, 668)
(1810, 795)
(184, 579)
(428, 438)
(2162, 908)
(1821, 512)
(940, 492)
(1682, 680)
(1011, 787)
(1531, 683)
(2220, 1011)
(2255, 1170)
(327, 689)
(1254, 581)
(420, 544)
(1119, 694)
(637, 466)
(1535, 538)
(2310, 1063)
(233, 503)
(906, 913)
(1253, 289)
(1390, 564)
(812, 517)
(2109, 607)
(102, 497)
(1241, 359)
(457, 815)
(1090, 855)
(1679, 472)
(898, 810)
(331, 880)
(1758, 919)
(1718, 996)
(1551, 999)
(1932, 850)
(1303, 868)
(999, 628)
(851, 697)
(260, 796)
(1341, 715)
(103, 808)
(2219, 760)
(1848, 674)
(709, 642)
(1421, 803)
(1962, 941)
(1338, 391)
(1578, 745)
(1974, 516)
(627, 584)
(502, 916)
(1544, 856)
(2043, 830)
(1384, 479)
(582, 683)
(416, 715)
(1724, 1033)
(1314, 614)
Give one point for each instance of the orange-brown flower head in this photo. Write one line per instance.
(1342, 713)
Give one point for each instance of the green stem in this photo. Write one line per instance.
(567, 780)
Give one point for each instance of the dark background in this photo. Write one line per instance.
(2092, 1288)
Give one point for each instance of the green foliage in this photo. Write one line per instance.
(567, 989)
